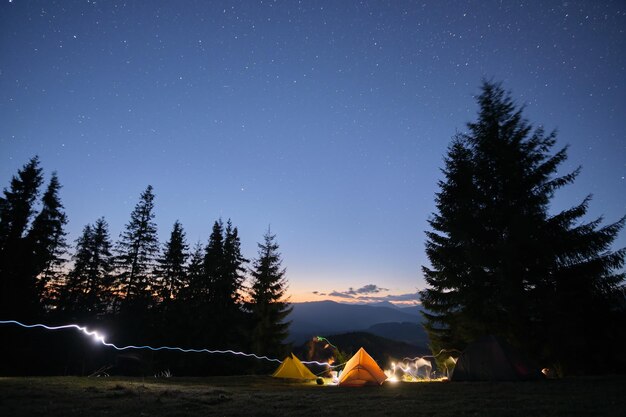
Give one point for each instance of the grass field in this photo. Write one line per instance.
(266, 396)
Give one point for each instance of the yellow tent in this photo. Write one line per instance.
(293, 368)
(361, 370)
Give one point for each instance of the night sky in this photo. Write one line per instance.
(327, 120)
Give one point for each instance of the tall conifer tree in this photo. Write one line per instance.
(171, 271)
(87, 289)
(18, 290)
(232, 276)
(213, 262)
(137, 251)
(267, 299)
(192, 302)
(46, 240)
(500, 262)
(195, 287)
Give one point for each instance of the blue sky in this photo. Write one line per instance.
(327, 120)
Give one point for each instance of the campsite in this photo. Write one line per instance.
(305, 208)
(264, 396)
(499, 386)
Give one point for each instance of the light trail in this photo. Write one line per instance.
(431, 356)
(100, 338)
(323, 339)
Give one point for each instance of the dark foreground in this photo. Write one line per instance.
(266, 396)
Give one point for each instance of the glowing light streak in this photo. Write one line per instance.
(431, 356)
(100, 339)
(323, 339)
(410, 371)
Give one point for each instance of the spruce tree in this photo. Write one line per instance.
(46, 240)
(17, 208)
(18, 290)
(213, 262)
(87, 290)
(267, 299)
(136, 254)
(230, 284)
(217, 291)
(500, 261)
(101, 269)
(171, 271)
(192, 303)
(195, 288)
(449, 278)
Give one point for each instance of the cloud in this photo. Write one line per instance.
(364, 290)
(369, 289)
(371, 293)
(340, 294)
(415, 297)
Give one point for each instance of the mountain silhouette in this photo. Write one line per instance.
(315, 318)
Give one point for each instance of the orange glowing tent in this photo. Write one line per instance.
(361, 370)
(293, 368)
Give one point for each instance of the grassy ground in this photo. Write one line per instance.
(266, 396)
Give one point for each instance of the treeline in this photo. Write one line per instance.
(136, 289)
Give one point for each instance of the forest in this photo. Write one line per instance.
(136, 289)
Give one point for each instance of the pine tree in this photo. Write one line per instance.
(172, 272)
(213, 262)
(18, 290)
(457, 221)
(87, 289)
(46, 240)
(195, 285)
(500, 262)
(17, 209)
(267, 299)
(192, 303)
(230, 284)
(137, 251)
(101, 268)
(217, 291)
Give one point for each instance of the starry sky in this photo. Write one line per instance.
(327, 120)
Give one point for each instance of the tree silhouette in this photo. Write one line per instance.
(195, 285)
(213, 261)
(267, 299)
(230, 284)
(18, 291)
(171, 272)
(222, 284)
(500, 262)
(46, 240)
(87, 290)
(137, 251)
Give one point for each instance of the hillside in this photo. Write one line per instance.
(383, 350)
(411, 333)
(328, 317)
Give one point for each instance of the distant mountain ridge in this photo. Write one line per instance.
(315, 318)
(411, 333)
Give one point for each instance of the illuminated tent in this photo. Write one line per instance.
(423, 368)
(492, 359)
(293, 368)
(361, 370)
